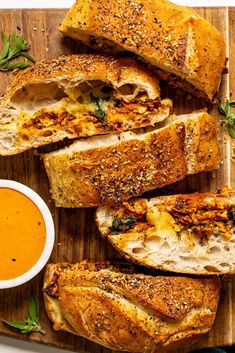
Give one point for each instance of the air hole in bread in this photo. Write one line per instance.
(152, 242)
(97, 86)
(169, 262)
(224, 264)
(38, 94)
(7, 118)
(188, 258)
(8, 139)
(165, 245)
(25, 137)
(214, 250)
(211, 269)
(138, 250)
(80, 100)
(127, 89)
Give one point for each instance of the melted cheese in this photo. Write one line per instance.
(163, 222)
(87, 109)
(77, 109)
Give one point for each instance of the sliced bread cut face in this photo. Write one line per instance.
(113, 168)
(77, 96)
(192, 233)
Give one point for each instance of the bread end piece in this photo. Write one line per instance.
(185, 49)
(145, 313)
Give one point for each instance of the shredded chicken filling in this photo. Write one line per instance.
(89, 105)
(185, 215)
(104, 112)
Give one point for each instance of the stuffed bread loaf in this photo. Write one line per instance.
(75, 96)
(192, 233)
(111, 169)
(127, 311)
(182, 47)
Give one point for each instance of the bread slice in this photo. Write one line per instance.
(112, 169)
(183, 48)
(77, 95)
(192, 233)
(124, 310)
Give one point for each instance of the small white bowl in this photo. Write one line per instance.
(50, 233)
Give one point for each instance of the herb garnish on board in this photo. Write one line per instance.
(31, 323)
(230, 117)
(13, 47)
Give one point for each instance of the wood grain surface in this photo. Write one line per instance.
(76, 233)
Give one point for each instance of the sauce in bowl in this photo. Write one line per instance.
(22, 233)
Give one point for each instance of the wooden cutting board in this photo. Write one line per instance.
(76, 233)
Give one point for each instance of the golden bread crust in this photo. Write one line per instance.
(89, 66)
(111, 174)
(171, 37)
(135, 312)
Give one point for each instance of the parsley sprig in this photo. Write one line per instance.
(31, 323)
(230, 117)
(13, 47)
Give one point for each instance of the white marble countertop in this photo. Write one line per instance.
(10, 345)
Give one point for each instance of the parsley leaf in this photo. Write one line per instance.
(230, 117)
(98, 102)
(33, 309)
(6, 46)
(31, 323)
(119, 224)
(13, 47)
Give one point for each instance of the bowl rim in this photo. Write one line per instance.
(50, 233)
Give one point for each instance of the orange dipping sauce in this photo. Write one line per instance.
(22, 234)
